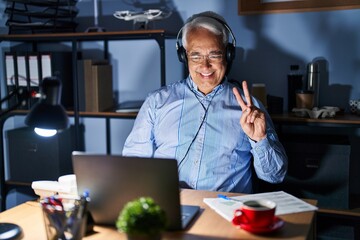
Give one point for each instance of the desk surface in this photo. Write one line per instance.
(207, 225)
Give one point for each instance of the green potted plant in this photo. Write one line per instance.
(142, 218)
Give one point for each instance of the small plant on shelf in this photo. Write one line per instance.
(142, 218)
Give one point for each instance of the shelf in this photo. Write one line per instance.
(48, 25)
(49, 12)
(45, 3)
(341, 120)
(87, 36)
(34, 16)
(84, 114)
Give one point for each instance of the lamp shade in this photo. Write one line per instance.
(48, 113)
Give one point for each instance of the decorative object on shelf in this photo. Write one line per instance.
(142, 218)
(35, 16)
(354, 106)
(143, 17)
(98, 85)
(323, 112)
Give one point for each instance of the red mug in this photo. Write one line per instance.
(255, 213)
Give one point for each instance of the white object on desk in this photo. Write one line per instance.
(65, 187)
(316, 112)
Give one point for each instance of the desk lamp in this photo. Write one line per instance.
(48, 116)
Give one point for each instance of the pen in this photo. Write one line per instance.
(228, 198)
(84, 199)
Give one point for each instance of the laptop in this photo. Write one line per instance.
(114, 180)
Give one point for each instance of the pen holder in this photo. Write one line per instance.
(64, 219)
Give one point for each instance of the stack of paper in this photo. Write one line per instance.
(285, 203)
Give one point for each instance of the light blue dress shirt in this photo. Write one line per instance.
(203, 133)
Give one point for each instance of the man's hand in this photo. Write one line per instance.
(253, 119)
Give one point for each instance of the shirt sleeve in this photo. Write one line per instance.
(140, 142)
(270, 159)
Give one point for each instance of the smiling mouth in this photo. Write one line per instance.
(206, 74)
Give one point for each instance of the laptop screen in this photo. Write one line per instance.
(112, 181)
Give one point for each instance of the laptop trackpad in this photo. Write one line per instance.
(188, 212)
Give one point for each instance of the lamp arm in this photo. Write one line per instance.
(10, 95)
(6, 111)
(22, 95)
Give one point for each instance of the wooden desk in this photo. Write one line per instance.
(207, 225)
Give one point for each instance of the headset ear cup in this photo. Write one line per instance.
(181, 54)
(230, 53)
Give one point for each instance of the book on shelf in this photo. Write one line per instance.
(10, 68)
(95, 79)
(21, 63)
(27, 69)
(34, 67)
(19, 74)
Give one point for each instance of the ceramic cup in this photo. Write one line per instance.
(305, 99)
(256, 213)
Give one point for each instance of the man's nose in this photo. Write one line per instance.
(206, 62)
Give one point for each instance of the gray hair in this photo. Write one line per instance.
(208, 20)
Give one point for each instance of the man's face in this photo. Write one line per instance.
(205, 52)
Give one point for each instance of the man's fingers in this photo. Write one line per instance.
(247, 94)
(253, 115)
(239, 98)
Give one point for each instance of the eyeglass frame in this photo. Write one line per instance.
(207, 57)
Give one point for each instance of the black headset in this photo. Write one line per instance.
(230, 47)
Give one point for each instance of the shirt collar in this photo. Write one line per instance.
(193, 87)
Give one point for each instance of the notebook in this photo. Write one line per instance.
(114, 180)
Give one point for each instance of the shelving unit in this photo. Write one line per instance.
(31, 16)
(158, 35)
(74, 38)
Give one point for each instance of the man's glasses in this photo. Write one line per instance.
(212, 57)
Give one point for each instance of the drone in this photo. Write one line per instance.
(142, 17)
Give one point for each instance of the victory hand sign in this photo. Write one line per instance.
(252, 119)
